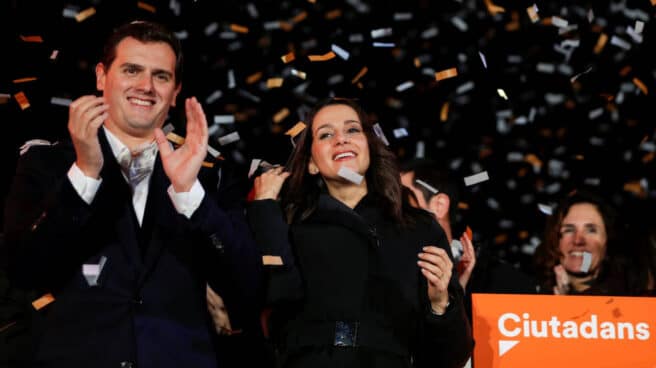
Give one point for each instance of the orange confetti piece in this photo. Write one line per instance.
(360, 74)
(43, 301)
(84, 14)
(635, 188)
(640, 85)
(286, 26)
(31, 38)
(23, 80)
(446, 74)
(272, 261)
(281, 115)
(625, 71)
(653, 2)
(208, 164)
(22, 100)
(146, 6)
(238, 28)
(493, 8)
(523, 234)
(327, 56)
(501, 238)
(175, 138)
(532, 13)
(299, 17)
(253, 78)
(296, 129)
(444, 112)
(648, 158)
(417, 62)
(469, 232)
(334, 14)
(601, 43)
(288, 58)
(533, 160)
(463, 205)
(274, 82)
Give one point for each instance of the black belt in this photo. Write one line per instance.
(345, 334)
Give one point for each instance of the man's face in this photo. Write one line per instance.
(139, 86)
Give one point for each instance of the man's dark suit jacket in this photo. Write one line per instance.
(148, 308)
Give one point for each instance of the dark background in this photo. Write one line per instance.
(550, 136)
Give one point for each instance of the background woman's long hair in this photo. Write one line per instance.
(301, 191)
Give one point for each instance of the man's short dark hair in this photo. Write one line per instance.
(146, 32)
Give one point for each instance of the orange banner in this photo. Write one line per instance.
(563, 331)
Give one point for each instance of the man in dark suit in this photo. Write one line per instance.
(125, 251)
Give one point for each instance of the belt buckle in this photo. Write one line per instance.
(346, 333)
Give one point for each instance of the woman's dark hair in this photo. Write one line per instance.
(548, 255)
(145, 32)
(301, 192)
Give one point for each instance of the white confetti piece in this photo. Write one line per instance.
(211, 28)
(381, 32)
(620, 42)
(420, 149)
(404, 86)
(231, 79)
(428, 187)
(350, 175)
(383, 44)
(460, 24)
(465, 87)
(380, 134)
(255, 163)
(559, 22)
(402, 16)
(213, 152)
(227, 139)
(476, 178)
(429, 33)
(400, 132)
(59, 101)
(224, 119)
(546, 209)
(483, 60)
(586, 262)
(340, 52)
(168, 128)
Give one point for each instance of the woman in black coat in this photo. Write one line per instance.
(356, 277)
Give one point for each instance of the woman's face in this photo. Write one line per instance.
(582, 239)
(338, 140)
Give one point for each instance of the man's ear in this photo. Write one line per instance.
(439, 205)
(175, 94)
(100, 77)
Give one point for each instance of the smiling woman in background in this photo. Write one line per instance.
(577, 255)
